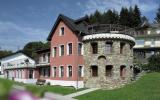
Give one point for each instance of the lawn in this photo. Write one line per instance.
(6, 85)
(146, 88)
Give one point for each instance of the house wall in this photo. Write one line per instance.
(101, 59)
(15, 60)
(74, 59)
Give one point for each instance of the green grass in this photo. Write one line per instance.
(6, 86)
(147, 88)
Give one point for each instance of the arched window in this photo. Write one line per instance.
(109, 70)
(94, 71)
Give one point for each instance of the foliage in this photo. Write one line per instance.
(157, 18)
(154, 62)
(31, 48)
(6, 86)
(4, 53)
(146, 88)
(128, 17)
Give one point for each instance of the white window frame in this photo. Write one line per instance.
(54, 71)
(60, 49)
(68, 48)
(60, 74)
(60, 31)
(68, 71)
(53, 51)
(82, 73)
(82, 48)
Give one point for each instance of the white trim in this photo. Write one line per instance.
(108, 35)
(60, 74)
(54, 71)
(82, 48)
(82, 73)
(60, 49)
(68, 48)
(66, 83)
(60, 32)
(68, 70)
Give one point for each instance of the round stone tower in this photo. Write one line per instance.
(108, 57)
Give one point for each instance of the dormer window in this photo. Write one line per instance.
(61, 31)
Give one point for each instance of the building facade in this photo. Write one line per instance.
(147, 42)
(80, 55)
(19, 67)
(74, 63)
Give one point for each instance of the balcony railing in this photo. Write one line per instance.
(20, 66)
(110, 28)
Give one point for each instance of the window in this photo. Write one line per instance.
(121, 47)
(30, 74)
(61, 50)
(108, 47)
(69, 48)
(139, 42)
(48, 57)
(152, 42)
(54, 71)
(44, 58)
(54, 52)
(109, 70)
(122, 71)
(94, 48)
(61, 73)
(80, 71)
(80, 48)
(61, 31)
(69, 71)
(94, 71)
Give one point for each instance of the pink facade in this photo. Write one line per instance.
(66, 60)
(22, 73)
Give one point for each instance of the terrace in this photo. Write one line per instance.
(110, 28)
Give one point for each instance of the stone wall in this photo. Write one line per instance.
(101, 59)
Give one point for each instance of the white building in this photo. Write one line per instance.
(19, 67)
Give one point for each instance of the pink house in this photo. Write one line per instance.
(66, 60)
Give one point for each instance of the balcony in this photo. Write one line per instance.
(13, 66)
(110, 28)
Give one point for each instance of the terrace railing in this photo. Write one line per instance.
(110, 28)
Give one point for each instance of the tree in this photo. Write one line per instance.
(96, 18)
(136, 16)
(157, 18)
(124, 17)
(31, 48)
(144, 19)
(4, 53)
(154, 62)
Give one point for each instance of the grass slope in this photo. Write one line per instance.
(147, 88)
(6, 85)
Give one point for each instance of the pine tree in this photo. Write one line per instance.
(137, 16)
(144, 19)
(157, 19)
(124, 16)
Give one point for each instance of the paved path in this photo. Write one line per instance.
(81, 92)
(54, 96)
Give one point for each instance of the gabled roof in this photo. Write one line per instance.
(43, 50)
(15, 54)
(75, 25)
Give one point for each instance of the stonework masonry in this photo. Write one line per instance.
(101, 59)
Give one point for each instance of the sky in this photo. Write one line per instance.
(23, 21)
